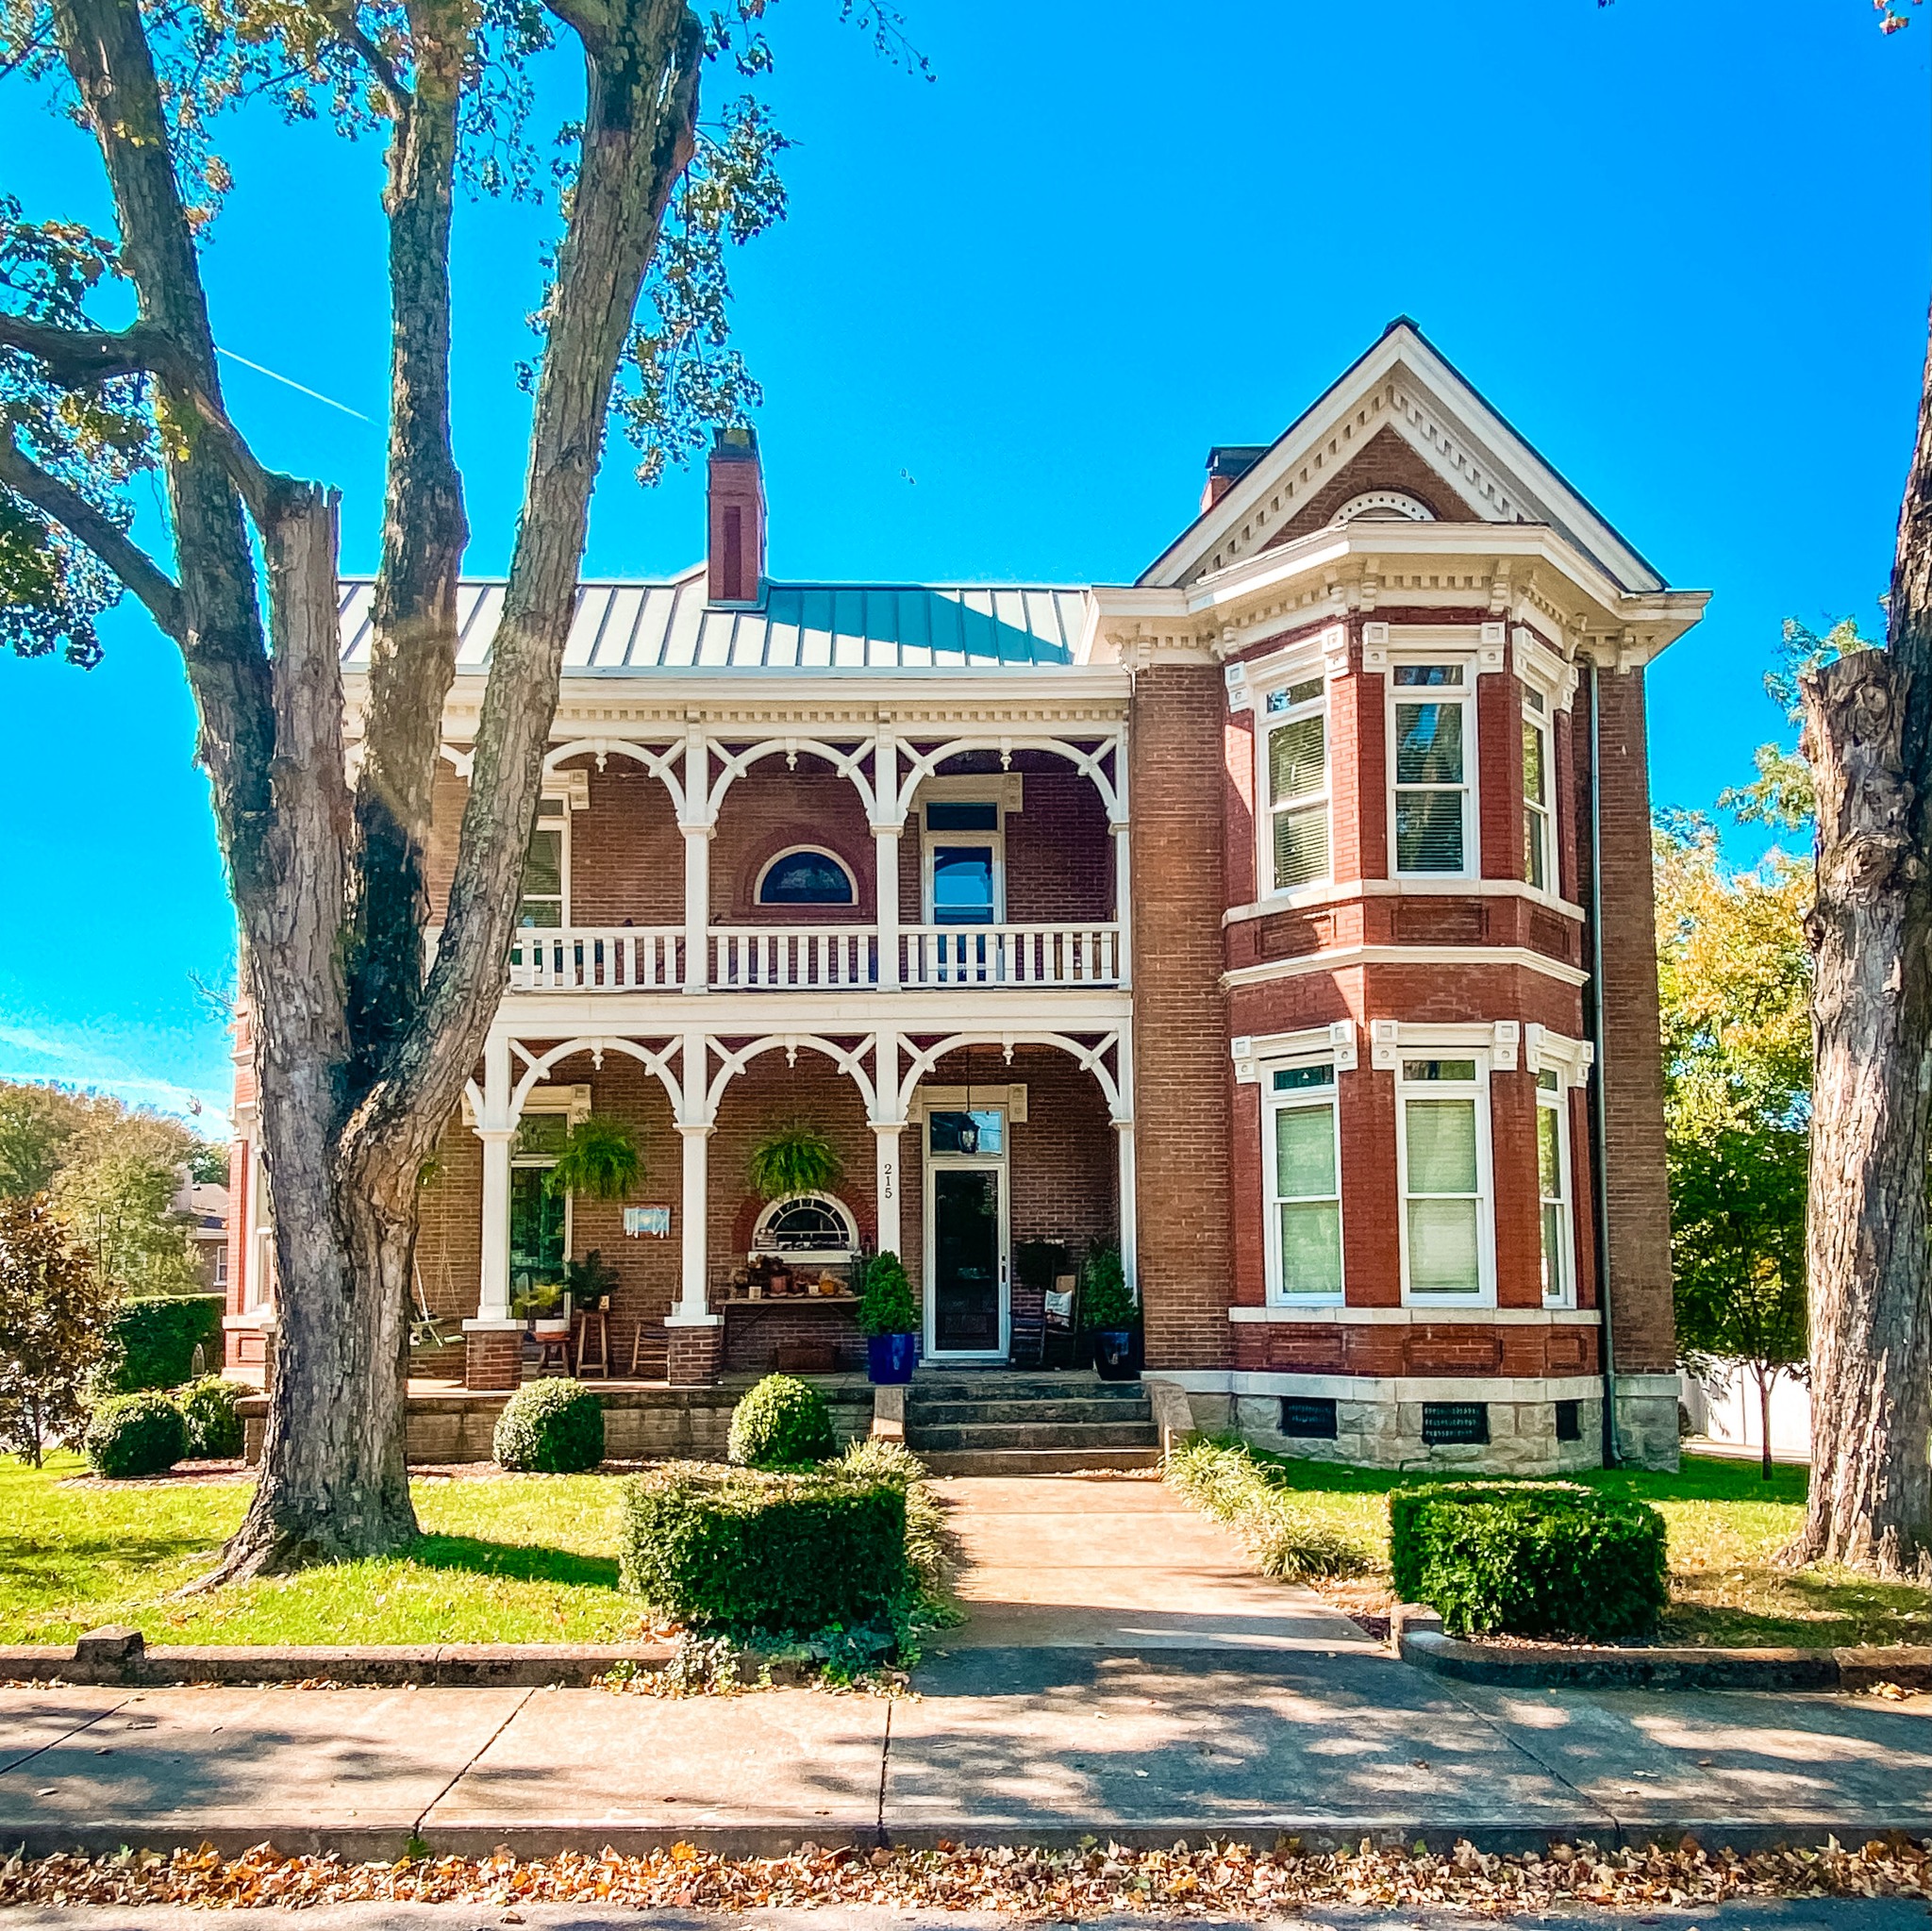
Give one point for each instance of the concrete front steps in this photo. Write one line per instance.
(997, 1422)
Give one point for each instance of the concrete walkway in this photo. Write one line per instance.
(1113, 1562)
(1123, 1671)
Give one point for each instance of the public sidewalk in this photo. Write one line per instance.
(1122, 1672)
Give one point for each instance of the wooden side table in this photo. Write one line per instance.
(595, 1325)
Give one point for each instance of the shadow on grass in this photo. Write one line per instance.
(514, 1561)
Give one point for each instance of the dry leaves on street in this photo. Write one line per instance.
(1211, 1879)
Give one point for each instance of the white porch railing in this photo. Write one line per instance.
(785, 957)
(583, 958)
(780, 958)
(1087, 955)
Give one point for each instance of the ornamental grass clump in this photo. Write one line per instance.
(1551, 1559)
(782, 1423)
(133, 1435)
(749, 1550)
(1221, 1478)
(551, 1428)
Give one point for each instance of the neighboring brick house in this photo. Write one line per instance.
(1256, 914)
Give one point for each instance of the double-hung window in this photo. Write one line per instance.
(1442, 1149)
(546, 869)
(1538, 847)
(1296, 731)
(1553, 1190)
(1433, 727)
(965, 862)
(539, 1213)
(1302, 1154)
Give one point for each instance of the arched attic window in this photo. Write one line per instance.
(807, 876)
(1383, 505)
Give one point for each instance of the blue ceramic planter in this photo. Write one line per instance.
(889, 1358)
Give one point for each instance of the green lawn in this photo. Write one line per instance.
(1727, 1523)
(504, 1558)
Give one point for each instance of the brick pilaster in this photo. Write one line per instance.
(693, 1354)
(493, 1358)
(1182, 1072)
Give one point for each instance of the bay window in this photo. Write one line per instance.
(1295, 734)
(1538, 849)
(1302, 1156)
(1443, 1158)
(1553, 1190)
(1432, 729)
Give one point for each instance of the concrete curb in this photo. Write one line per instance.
(779, 1836)
(1419, 1640)
(119, 1658)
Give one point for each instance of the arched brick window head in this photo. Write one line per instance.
(805, 875)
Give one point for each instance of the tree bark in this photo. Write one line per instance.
(1766, 1377)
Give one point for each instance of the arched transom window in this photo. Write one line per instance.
(805, 875)
(815, 1223)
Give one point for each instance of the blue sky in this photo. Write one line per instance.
(1682, 246)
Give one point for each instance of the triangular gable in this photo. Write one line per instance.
(1463, 458)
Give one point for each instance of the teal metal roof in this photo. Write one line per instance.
(669, 625)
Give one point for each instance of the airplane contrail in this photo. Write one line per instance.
(291, 383)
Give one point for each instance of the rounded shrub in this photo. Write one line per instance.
(214, 1427)
(781, 1424)
(131, 1434)
(554, 1427)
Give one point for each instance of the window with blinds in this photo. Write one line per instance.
(1553, 1189)
(1445, 1253)
(1433, 754)
(1537, 868)
(545, 866)
(1304, 1164)
(1297, 755)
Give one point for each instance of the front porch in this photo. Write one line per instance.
(989, 1162)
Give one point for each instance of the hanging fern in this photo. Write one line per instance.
(600, 1160)
(793, 1159)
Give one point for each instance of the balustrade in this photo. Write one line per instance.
(582, 958)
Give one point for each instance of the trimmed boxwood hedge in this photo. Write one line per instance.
(130, 1435)
(782, 1423)
(151, 1340)
(742, 1549)
(1530, 1559)
(214, 1427)
(550, 1427)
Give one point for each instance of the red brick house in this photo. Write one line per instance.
(1284, 915)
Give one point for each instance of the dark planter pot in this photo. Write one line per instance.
(1114, 1354)
(889, 1358)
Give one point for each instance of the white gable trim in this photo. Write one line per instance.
(1402, 381)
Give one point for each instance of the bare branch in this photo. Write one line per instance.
(112, 544)
(75, 357)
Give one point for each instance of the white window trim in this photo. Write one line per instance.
(1427, 1043)
(1551, 889)
(761, 1231)
(1557, 1103)
(758, 891)
(1271, 1104)
(998, 790)
(1465, 695)
(557, 820)
(1266, 723)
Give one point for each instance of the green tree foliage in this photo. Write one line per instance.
(54, 1312)
(1734, 976)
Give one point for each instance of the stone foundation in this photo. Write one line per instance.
(1647, 1421)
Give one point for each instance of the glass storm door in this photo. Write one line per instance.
(967, 1307)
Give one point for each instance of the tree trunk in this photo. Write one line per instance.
(1870, 1496)
(1766, 1377)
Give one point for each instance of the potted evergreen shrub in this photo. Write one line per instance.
(794, 1159)
(889, 1319)
(1110, 1313)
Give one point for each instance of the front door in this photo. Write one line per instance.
(966, 1296)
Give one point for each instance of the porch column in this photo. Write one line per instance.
(886, 1127)
(886, 827)
(1123, 903)
(1124, 1152)
(493, 1342)
(697, 826)
(696, 1340)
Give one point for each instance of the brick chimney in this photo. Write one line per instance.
(1228, 464)
(737, 550)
